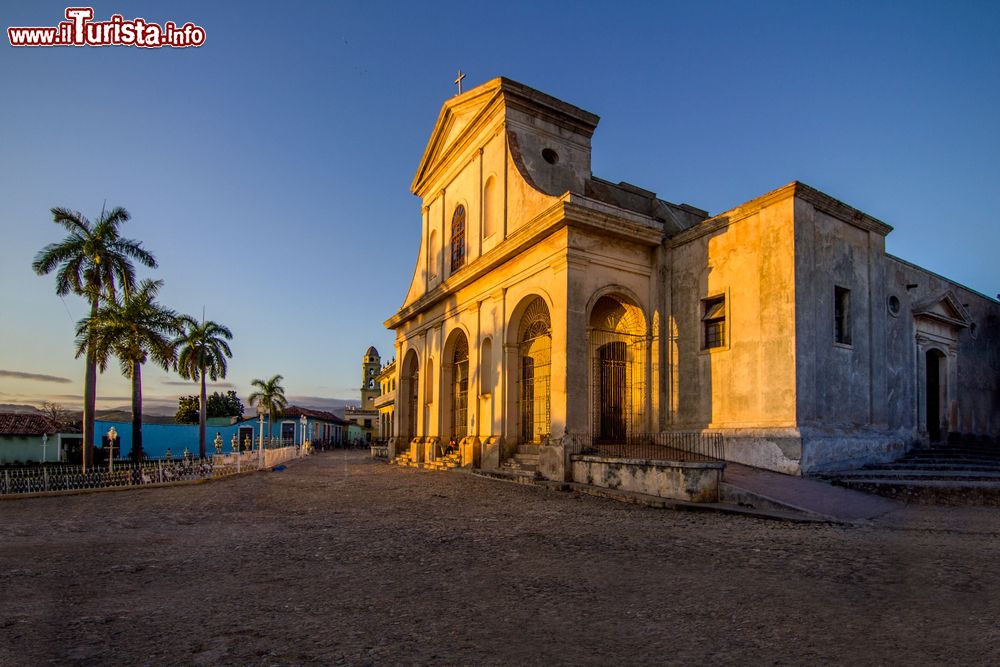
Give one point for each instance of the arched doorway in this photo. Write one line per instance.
(457, 358)
(935, 365)
(617, 360)
(534, 354)
(409, 384)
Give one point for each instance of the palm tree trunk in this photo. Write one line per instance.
(89, 401)
(201, 418)
(136, 411)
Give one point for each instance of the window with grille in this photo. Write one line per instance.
(458, 239)
(534, 386)
(714, 322)
(460, 389)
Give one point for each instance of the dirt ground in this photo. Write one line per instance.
(339, 560)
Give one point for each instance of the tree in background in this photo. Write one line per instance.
(203, 354)
(91, 261)
(134, 328)
(60, 417)
(225, 405)
(271, 395)
(187, 410)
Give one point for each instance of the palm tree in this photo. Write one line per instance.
(271, 396)
(135, 329)
(91, 261)
(203, 353)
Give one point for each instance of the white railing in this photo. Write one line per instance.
(21, 480)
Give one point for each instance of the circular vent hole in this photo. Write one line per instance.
(894, 305)
(550, 156)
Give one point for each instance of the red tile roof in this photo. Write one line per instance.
(26, 423)
(296, 411)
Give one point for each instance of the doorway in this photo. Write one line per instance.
(934, 363)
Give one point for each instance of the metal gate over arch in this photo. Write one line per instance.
(534, 353)
(617, 380)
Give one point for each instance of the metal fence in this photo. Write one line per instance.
(125, 473)
(664, 446)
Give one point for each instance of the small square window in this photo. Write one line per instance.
(842, 315)
(714, 322)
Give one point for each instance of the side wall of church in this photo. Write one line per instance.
(749, 381)
(976, 396)
(842, 400)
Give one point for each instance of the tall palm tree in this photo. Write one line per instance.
(134, 328)
(203, 353)
(271, 395)
(92, 261)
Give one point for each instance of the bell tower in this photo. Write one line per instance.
(370, 367)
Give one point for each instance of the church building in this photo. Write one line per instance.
(553, 310)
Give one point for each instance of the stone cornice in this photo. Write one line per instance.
(819, 200)
(570, 210)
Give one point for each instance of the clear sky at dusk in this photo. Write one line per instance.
(269, 170)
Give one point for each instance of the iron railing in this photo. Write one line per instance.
(125, 473)
(663, 446)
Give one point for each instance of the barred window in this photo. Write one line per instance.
(458, 239)
(714, 322)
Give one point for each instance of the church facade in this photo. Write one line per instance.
(553, 309)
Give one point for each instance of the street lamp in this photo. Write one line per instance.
(112, 436)
(260, 416)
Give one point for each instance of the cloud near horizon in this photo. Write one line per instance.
(192, 383)
(38, 377)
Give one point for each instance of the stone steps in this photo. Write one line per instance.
(904, 473)
(952, 474)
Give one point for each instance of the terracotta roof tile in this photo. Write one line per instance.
(26, 423)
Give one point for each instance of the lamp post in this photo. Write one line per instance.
(112, 436)
(260, 416)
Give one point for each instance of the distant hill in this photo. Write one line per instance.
(18, 407)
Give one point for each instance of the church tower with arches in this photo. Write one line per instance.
(371, 364)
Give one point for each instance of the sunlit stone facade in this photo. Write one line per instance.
(550, 307)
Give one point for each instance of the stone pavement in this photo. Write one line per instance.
(341, 560)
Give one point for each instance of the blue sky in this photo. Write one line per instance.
(269, 170)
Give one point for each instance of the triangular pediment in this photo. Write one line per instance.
(457, 116)
(945, 308)
(464, 116)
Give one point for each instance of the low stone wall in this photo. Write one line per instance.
(679, 480)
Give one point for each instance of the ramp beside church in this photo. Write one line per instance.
(770, 490)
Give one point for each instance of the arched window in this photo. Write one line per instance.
(489, 208)
(458, 239)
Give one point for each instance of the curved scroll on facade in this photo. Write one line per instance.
(534, 354)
